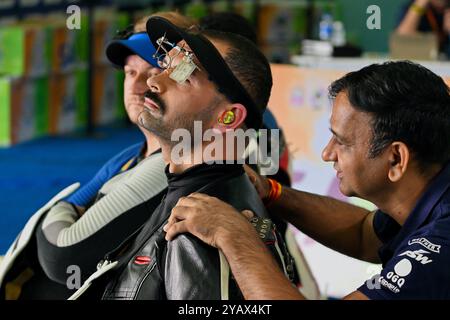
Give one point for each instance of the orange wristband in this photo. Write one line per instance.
(274, 193)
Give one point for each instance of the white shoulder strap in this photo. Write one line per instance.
(224, 277)
(101, 269)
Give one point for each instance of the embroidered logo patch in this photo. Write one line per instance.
(427, 244)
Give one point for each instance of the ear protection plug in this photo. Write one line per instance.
(227, 118)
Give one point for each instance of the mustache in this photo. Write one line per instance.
(156, 99)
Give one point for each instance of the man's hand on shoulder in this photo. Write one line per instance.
(194, 214)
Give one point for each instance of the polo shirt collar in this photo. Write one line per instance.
(433, 194)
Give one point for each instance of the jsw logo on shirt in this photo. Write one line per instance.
(417, 255)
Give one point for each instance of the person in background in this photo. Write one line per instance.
(131, 51)
(426, 16)
(81, 228)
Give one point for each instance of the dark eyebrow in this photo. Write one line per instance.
(341, 138)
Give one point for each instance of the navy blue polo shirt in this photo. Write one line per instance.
(416, 257)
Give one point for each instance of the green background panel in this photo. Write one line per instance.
(5, 117)
(42, 105)
(12, 46)
(81, 97)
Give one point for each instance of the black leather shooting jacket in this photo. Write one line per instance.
(149, 267)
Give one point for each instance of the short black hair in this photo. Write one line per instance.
(229, 22)
(248, 64)
(407, 102)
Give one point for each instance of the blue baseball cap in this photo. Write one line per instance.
(138, 43)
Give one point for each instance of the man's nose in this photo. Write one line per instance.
(156, 83)
(329, 153)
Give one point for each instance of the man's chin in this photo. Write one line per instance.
(345, 190)
(144, 124)
(154, 126)
(134, 113)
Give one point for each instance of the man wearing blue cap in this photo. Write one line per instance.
(133, 52)
(96, 218)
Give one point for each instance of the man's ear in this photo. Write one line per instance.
(232, 117)
(399, 156)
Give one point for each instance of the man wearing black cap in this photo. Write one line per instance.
(223, 81)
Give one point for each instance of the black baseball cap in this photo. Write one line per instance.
(211, 61)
